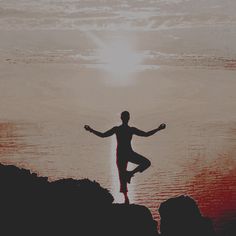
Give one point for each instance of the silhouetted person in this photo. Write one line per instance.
(124, 150)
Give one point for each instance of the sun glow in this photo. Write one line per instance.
(120, 59)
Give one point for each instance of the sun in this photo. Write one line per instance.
(119, 58)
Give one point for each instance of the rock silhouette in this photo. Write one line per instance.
(181, 216)
(31, 205)
(228, 225)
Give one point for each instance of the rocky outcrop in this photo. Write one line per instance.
(181, 216)
(227, 225)
(31, 205)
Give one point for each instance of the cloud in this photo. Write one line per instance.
(113, 15)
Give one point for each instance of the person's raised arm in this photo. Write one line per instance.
(149, 133)
(108, 133)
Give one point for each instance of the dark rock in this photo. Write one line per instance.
(227, 225)
(181, 216)
(31, 205)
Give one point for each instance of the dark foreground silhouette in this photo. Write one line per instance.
(181, 216)
(125, 152)
(31, 205)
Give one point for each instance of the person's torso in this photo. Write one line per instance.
(124, 136)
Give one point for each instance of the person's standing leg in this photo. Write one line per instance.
(122, 169)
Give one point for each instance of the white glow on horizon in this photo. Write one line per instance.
(119, 59)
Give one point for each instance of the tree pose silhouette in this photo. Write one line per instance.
(124, 151)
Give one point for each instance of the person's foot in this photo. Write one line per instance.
(129, 175)
(127, 201)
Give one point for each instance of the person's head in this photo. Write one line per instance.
(125, 117)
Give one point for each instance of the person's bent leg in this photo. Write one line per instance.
(142, 162)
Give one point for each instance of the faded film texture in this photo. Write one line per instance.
(67, 63)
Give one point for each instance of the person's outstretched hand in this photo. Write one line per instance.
(162, 126)
(88, 128)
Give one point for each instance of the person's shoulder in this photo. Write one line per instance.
(115, 128)
(133, 128)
